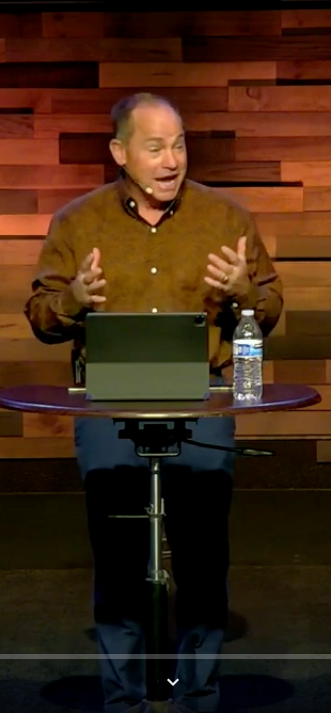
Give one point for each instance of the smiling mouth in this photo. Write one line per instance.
(167, 181)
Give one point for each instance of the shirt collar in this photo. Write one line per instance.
(130, 204)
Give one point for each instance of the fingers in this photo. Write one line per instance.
(97, 299)
(89, 279)
(220, 273)
(241, 247)
(95, 285)
(216, 263)
(91, 275)
(87, 263)
(214, 283)
(233, 257)
(96, 258)
(91, 261)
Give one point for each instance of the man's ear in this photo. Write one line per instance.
(118, 152)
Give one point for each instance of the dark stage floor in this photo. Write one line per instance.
(277, 657)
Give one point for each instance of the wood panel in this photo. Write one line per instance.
(192, 23)
(72, 24)
(280, 329)
(18, 201)
(15, 287)
(323, 451)
(317, 198)
(285, 425)
(73, 176)
(305, 148)
(236, 172)
(310, 173)
(288, 347)
(51, 200)
(299, 71)
(96, 50)
(302, 19)
(299, 371)
(2, 51)
(14, 326)
(51, 126)
(310, 323)
(199, 74)
(298, 245)
(49, 74)
(269, 199)
(21, 24)
(293, 225)
(280, 99)
(237, 49)
(18, 349)
(11, 424)
(24, 224)
(248, 123)
(305, 298)
(41, 425)
(29, 152)
(18, 99)
(19, 252)
(14, 373)
(87, 101)
(19, 126)
(304, 274)
(29, 448)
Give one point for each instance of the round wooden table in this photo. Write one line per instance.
(72, 401)
(157, 430)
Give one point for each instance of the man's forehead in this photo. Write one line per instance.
(147, 117)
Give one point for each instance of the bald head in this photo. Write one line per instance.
(124, 112)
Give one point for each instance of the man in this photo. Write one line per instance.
(154, 241)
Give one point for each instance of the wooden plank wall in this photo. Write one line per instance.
(254, 88)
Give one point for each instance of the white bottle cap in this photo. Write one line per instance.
(247, 312)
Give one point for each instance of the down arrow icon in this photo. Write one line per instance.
(173, 683)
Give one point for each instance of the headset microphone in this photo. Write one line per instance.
(146, 189)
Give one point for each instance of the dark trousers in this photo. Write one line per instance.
(197, 502)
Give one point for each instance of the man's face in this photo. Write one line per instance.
(155, 154)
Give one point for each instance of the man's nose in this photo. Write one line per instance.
(170, 160)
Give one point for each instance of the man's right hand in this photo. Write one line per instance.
(87, 281)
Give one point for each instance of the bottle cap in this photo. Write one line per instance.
(247, 312)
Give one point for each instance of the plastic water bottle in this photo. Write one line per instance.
(247, 359)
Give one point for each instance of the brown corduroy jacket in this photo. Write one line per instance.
(148, 267)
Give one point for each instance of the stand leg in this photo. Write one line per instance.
(156, 572)
(157, 629)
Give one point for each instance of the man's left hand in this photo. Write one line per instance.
(231, 276)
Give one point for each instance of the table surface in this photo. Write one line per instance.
(57, 399)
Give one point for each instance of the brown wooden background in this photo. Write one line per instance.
(254, 88)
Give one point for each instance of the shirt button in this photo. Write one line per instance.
(235, 305)
(154, 270)
(153, 230)
(154, 310)
(171, 212)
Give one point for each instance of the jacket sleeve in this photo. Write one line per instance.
(265, 295)
(52, 310)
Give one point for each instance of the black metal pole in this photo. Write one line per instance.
(157, 665)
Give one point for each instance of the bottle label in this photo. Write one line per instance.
(248, 348)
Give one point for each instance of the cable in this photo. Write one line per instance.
(239, 451)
